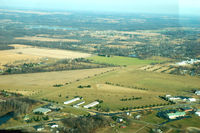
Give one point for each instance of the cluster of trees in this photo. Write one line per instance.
(85, 124)
(84, 86)
(103, 109)
(193, 70)
(58, 85)
(38, 118)
(18, 106)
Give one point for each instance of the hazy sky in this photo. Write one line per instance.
(135, 6)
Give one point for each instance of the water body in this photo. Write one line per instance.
(49, 27)
(6, 117)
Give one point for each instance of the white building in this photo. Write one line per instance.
(183, 63)
(197, 113)
(91, 104)
(174, 98)
(192, 61)
(53, 125)
(175, 115)
(78, 104)
(72, 100)
(192, 99)
(167, 96)
(197, 93)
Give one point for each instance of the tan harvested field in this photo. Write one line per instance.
(51, 53)
(45, 39)
(9, 57)
(27, 53)
(45, 52)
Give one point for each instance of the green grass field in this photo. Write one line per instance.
(119, 60)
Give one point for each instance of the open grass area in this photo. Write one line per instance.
(186, 123)
(40, 85)
(119, 60)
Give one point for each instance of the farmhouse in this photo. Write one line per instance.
(175, 115)
(91, 104)
(42, 110)
(72, 100)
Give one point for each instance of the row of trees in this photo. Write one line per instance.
(145, 106)
(131, 98)
(65, 64)
(133, 87)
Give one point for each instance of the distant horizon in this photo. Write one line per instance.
(176, 7)
(97, 12)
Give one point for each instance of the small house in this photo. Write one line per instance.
(137, 117)
(119, 120)
(26, 118)
(53, 125)
(128, 113)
